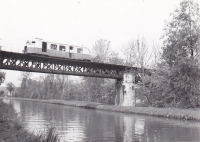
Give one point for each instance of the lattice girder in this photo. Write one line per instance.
(43, 64)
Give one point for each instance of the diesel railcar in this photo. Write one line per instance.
(39, 47)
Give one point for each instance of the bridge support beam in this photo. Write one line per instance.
(125, 90)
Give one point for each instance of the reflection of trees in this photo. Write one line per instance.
(162, 130)
(93, 125)
(153, 129)
(16, 106)
(7, 101)
(133, 128)
(119, 121)
(139, 129)
(128, 129)
(32, 116)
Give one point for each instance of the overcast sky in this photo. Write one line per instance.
(82, 22)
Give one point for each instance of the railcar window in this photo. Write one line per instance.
(33, 41)
(71, 47)
(79, 50)
(62, 48)
(54, 46)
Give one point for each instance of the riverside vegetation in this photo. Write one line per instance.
(11, 130)
(186, 114)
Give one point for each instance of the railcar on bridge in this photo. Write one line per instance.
(39, 47)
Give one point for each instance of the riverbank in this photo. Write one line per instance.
(187, 114)
(11, 130)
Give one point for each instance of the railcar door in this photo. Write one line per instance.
(44, 46)
(70, 55)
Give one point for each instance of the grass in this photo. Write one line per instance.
(11, 130)
(187, 114)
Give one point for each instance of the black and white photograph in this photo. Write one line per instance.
(99, 70)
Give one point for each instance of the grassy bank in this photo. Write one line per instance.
(11, 130)
(187, 114)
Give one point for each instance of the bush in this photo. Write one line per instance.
(1, 93)
(12, 130)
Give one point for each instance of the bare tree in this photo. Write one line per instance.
(115, 59)
(156, 55)
(138, 53)
(130, 53)
(143, 54)
(101, 49)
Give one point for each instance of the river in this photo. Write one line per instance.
(76, 124)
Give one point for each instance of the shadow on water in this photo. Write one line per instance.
(79, 124)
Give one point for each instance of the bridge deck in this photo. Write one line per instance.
(45, 64)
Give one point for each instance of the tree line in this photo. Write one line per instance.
(176, 80)
(175, 74)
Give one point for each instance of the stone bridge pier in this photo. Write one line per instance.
(125, 90)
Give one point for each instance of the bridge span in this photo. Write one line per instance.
(46, 64)
(126, 77)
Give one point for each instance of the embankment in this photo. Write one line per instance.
(187, 114)
(11, 130)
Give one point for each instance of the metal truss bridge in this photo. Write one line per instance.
(45, 64)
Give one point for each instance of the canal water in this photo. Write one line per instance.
(76, 124)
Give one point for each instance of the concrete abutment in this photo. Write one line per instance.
(125, 90)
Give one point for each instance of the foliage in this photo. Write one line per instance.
(182, 33)
(1, 93)
(24, 83)
(153, 90)
(2, 77)
(86, 89)
(10, 87)
(50, 136)
(176, 83)
(179, 52)
(100, 90)
(47, 87)
(12, 130)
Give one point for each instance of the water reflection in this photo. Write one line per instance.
(7, 101)
(139, 129)
(78, 124)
